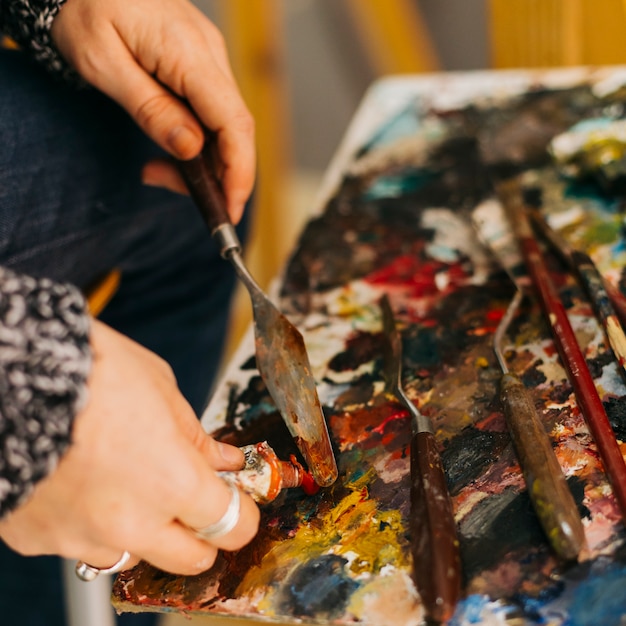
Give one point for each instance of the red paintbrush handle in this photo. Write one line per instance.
(576, 367)
(435, 545)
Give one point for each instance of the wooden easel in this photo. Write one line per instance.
(547, 33)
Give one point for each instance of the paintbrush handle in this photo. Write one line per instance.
(618, 300)
(546, 485)
(595, 286)
(434, 543)
(574, 361)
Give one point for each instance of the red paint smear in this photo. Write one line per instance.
(309, 486)
(550, 349)
(357, 426)
(495, 315)
(418, 275)
(364, 495)
(493, 422)
(380, 429)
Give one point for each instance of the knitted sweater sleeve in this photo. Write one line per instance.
(28, 22)
(45, 359)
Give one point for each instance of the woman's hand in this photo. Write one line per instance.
(152, 56)
(139, 474)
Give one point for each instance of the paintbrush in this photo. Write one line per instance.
(510, 193)
(581, 264)
(434, 541)
(546, 486)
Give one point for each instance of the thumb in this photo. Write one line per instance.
(221, 456)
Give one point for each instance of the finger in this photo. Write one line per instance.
(175, 549)
(215, 42)
(162, 173)
(220, 455)
(105, 558)
(209, 507)
(237, 150)
(160, 114)
(171, 124)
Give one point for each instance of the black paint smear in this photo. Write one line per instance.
(533, 376)
(420, 348)
(426, 348)
(516, 137)
(597, 364)
(361, 348)
(255, 393)
(616, 410)
(469, 454)
(250, 364)
(464, 310)
(359, 392)
(560, 393)
(320, 588)
(506, 524)
(271, 428)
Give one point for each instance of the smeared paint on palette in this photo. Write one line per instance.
(399, 224)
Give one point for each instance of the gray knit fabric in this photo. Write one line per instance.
(45, 359)
(28, 22)
(45, 356)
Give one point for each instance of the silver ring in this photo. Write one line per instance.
(87, 572)
(227, 522)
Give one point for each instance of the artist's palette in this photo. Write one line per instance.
(395, 219)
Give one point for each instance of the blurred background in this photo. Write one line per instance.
(304, 66)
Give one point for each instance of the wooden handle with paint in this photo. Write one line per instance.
(434, 540)
(200, 174)
(552, 500)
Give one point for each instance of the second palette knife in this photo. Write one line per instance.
(434, 540)
(545, 482)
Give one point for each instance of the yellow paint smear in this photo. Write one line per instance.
(355, 528)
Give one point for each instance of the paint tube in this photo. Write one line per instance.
(264, 475)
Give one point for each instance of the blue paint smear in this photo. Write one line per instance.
(401, 184)
(401, 126)
(320, 588)
(257, 411)
(600, 600)
(473, 610)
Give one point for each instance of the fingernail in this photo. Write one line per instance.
(231, 454)
(183, 141)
